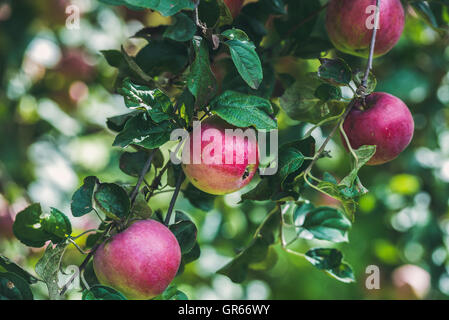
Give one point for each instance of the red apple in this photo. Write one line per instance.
(234, 6)
(140, 262)
(221, 167)
(347, 25)
(385, 122)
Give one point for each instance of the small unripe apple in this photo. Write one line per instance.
(349, 24)
(220, 166)
(385, 122)
(234, 6)
(140, 262)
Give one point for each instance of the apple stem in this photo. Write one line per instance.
(369, 65)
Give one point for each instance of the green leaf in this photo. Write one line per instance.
(89, 275)
(299, 22)
(120, 3)
(290, 160)
(364, 154)
(326, 92)
(141, 208)
(7, 265)
(162, 56)
(185, 103)
(300, 103)
(257, 250)
(13, 287)
(185, 232)
(165, 7)
(330, 260)
(113, 200)
(336, 192)
(183, 29)
(82, 198)
(424, 10)
(172, 293)
(33, 228)
(327, 223)
(214, 13)
(243, 110)
(335, 71)
(48, 268)
(100, 292)
(263, 191)
(198, 198)
(140, 130)
(132, 163)
(245, 57)
(201, 81)
(117, 123)
(313, 48)
(155, 102)
(371, 82)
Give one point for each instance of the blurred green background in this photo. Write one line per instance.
(55, 95)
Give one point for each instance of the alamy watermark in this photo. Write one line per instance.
(236, 146)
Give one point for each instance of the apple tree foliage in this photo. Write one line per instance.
(173, 81)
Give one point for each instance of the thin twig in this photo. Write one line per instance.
(144, 171)
(85, 261)
(369, 65)
(173, 199)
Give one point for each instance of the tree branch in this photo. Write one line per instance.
(369, 65)
(173, 199)
(144, 171)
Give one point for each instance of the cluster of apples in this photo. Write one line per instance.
(142, 260)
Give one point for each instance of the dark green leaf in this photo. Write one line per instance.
(117, 123)
(330, 260)
(13, 287)
(140, 130)
(183, 29)
(300, 103)
(198, 198)
(132, 163)
(243, 110)
(34, 228)
(165, 7)
(162, 56)
(155, 102)
(326, 92)
(82, 198)
(113, 200)
(335, 71)
(185, 232)
(327, 223)
(257, 250)
(100, 292)
(244, 55)
(201, 81)
(7, 265)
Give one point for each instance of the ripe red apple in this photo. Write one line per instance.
(140, 262)
(221, 167)
(347, 25)
(385, 122)
(234, 6)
